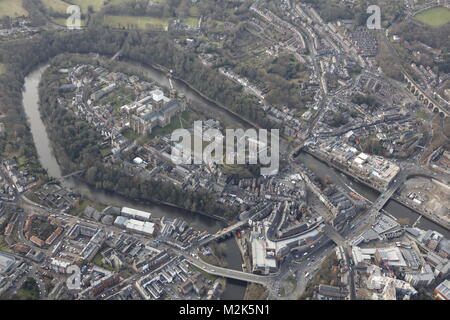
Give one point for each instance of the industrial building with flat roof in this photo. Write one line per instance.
(135, 214)
(263, 256)
(139, 226)
(7, 262)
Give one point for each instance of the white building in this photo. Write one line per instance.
(263, 257)
(59, 266)
(141, 226)
(135, 214)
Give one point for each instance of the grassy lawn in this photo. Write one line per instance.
(105, 151)
(174, 124)
(84, 4)
(63, 21)
(59, 6)
(291, 280)
(437, 140)
(131, 22)
(193, 11)
(2, 68)
(98, 261)
(97, 5)
(204, 273)
(84, 203)
(434, 17)
(29, 290)
(447, 127)
(422, 115)
(255, 292)
(12, 8)
(3, 245)
(56, 5)
(130, 134)
(193, 22)
(33, 197)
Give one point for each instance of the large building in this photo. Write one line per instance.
(263, 254)
(144, 227)
(135, 214)
(7, 262)
(391, 257)
(102, 92)
(153, 111)
(326, 292)
(442, 291)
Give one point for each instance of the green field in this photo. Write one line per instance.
(2, 68)
(12, 8)
(56, 5)
(193, 22)
(434, 17)
(3, 245)
(175, 123)
(97, 5)
(422, 115)
(131, 22)
(194, 12)
(84, 4)
(61, 5)
(98, 261)
(76, 210)
(63, 21)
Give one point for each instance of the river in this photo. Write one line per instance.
(234, 289)
(40, 137)
(394, 208)
(321, 169)
(209, 108)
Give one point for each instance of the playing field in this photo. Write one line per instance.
(12, 8)
(434, 17)
(142, 23)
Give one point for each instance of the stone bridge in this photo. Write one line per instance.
(427, 101)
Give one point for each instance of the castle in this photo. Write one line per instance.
(152, 111)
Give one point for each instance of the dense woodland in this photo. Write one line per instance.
(168, 9)
(414, 35)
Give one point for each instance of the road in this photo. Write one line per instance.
(298, 266)
(229, 273)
